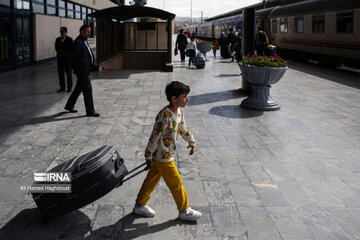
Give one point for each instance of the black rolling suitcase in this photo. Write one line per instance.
(92, 176)
(199, 60)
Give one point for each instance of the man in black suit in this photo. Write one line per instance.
(181, 43)
(63, 47)
(83, 65)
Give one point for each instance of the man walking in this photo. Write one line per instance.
(262, 42)
(231, 40)
(181, 43)
(83, 64)
(63, 47)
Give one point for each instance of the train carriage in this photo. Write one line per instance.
(325, 31)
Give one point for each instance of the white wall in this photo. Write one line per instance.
(47, 29)
(96, 4)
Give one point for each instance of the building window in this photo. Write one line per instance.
(77, 11)
(283, 25)
(70, 10)
(274, 25)
(62, 9)
(51, 7)
(299, 24)
(38, 6)
(23, 4)
(5, 3)
(345, 22)
(89, 19)
(83, 15)
(318, 23)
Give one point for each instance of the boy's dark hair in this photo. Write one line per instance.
(192, 38)
(176, 88)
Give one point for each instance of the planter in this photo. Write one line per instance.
(260, 79)
(203, 48)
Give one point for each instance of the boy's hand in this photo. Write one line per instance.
(192, 149)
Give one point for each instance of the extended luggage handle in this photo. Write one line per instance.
(148, 166)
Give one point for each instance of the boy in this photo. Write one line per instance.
(161, 151)
(192, 50)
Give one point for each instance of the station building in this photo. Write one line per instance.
(28, 28)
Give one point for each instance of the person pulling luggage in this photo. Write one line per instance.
(161, 151)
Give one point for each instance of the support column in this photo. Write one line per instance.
(169, 64)
(248, 41)
(248, 37)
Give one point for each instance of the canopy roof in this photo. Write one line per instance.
(122, 13)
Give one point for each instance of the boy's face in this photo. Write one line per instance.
(181, 100)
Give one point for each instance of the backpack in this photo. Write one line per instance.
(262, 37)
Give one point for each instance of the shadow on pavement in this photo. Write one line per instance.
(50, 118)
(227, 75)
(215, 97)
(347, 78)
(234, 111)
(125, 228)
(76, 225)
(224, 61)
(116, 74)
(28, 225)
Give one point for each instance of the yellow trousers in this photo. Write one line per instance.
(172, 178)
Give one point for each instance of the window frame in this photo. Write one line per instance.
(51, 6)
(38, 3)
(352, 22)
(62, 8)
(70, 9)
(284, 21)
(272, 25)
(296, 30)
(313, 26)
(77, 11)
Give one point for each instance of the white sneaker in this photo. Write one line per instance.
(189, 215)
(144, 211)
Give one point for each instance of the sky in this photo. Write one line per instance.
(210, 8)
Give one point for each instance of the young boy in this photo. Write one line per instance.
(192, 49)
(161, 151)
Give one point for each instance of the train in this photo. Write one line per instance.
(326, 31)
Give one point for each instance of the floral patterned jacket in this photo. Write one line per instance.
(162, 142)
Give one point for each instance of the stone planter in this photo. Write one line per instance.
(203, 48)
(261, 78)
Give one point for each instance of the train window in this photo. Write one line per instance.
(318, 23)
(299, 24)
(274, 25)
(283, 25)
(344, 22)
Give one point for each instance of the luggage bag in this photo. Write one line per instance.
(199, 60)
(92, 176)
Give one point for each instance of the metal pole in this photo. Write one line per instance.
(190, 11)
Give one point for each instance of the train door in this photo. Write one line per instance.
(6, 45)
(22, 43)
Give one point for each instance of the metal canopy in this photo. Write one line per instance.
(122, 13)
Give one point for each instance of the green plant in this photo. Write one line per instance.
(204, 43)
(260, 61)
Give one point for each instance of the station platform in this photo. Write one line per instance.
(287, 174)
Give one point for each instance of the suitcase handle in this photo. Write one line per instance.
(148, 166)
